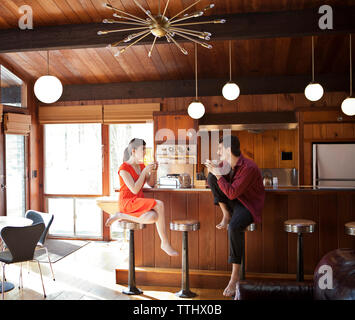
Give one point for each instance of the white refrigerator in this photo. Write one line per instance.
(334, 165)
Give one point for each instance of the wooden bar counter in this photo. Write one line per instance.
(270, 251)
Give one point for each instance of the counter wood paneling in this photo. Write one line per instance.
(269, 249)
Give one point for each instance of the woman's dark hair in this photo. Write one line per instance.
(133, 145)
(232, 142)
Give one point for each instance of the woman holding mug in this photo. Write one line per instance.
(132, 205)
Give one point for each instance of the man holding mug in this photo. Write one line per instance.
(237, 187)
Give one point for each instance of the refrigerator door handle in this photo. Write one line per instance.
(315, 164)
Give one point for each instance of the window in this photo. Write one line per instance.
(75, 217)
(15, 175)
(73, 159)
(73, 171)
(11, 88)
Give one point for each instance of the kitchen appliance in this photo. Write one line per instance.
(185, 180)
(175, 160)
(170, 181)
(334, 165)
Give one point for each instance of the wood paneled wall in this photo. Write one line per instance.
(314, 114)
(265, 148)
(35, 155)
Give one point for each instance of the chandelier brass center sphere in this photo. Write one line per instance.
(160, 26)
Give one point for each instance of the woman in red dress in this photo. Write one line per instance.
(132, 205)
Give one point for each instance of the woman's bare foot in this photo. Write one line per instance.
(229, 291)
(113, 218)
(168, 249)
(224, 223)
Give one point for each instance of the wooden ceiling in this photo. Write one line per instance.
(253, 57)
(56, 12)
(259, 57)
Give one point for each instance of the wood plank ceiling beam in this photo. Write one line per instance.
(238, 26)
(207, 87)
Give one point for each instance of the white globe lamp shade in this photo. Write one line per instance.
(48, 89)
(348, 106)
(231, 91)
(314, 91)
(196, 110)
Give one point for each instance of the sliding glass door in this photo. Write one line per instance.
(15, 175)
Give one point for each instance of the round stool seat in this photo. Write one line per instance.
(350, 228)
(251, 227)
(130, 225)
(299, 226)
(184, 225)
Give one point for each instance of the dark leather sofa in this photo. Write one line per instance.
(342, 270)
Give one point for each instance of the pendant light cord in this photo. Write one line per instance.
(230, 60)
(351, 67)
(196, 72)
(312, 59)
(48, 62)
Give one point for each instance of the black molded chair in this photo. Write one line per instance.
(47, 219)
(21, 243)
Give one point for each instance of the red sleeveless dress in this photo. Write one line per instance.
(128, 202)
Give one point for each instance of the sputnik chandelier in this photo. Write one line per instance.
(159, 26)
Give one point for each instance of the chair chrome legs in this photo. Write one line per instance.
(2, 282)
(40, 272)
(50, 263)
(20, 282)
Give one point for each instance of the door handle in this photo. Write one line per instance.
(3, 187)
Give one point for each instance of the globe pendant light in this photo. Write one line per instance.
(196, 109)
(48, 89)
(314, 91)
(230, 90)
(348, 105)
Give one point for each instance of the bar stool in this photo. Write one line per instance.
(251, 227)
(185, 226)
(131, 226)
(299, 226)
(350, 228)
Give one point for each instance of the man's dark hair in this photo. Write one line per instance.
(232, 142)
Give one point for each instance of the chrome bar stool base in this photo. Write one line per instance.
(131, 226)
(132, 291)
(299, 226)
(185, 294)
(185, 226)
(251, 227)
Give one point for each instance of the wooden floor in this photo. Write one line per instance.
(89, 274)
